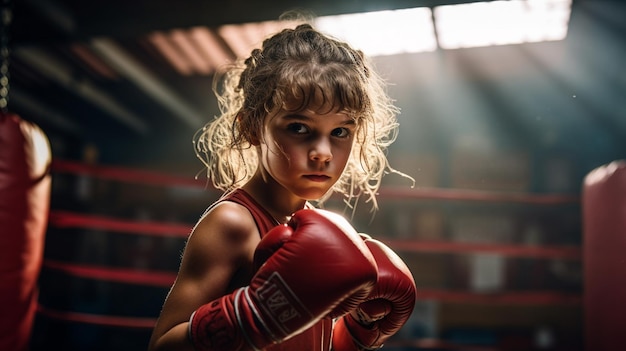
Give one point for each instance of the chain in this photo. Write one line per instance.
(5, 17)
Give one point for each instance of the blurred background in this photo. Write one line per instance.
(505, 107)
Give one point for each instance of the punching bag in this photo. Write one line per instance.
(604, 257)
(25, 158)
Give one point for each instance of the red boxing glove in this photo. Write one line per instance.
(274, 240)
(321, 265)
(385, 311)
(269, 244)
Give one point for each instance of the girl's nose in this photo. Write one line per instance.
(321, 151)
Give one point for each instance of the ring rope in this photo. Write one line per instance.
(123, 174)
(120, 275)
(88, 318)
(544, 251)
(452, 194)
(65, 219)
(424, 193)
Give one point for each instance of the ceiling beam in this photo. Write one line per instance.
(60, 73)
(122, 62)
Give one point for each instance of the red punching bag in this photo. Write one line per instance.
(24, 205)
(604, 249)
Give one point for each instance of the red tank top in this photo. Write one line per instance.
(319, 336)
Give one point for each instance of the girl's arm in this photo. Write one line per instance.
(217, 259)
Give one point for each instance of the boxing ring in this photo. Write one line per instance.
(604, 217)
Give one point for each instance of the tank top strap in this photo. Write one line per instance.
(263, 219)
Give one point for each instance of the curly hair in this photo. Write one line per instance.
(300, 65)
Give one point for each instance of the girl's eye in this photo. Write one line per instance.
(297, 128)
(341, 132)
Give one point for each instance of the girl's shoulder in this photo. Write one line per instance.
(227, 220)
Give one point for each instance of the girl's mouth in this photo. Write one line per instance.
(317, 177)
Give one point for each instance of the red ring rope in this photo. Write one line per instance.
(548, 252)
(63, 219)
(123, 174)
(72, 220)
(111, 321)
(143, 177)
(121, 275)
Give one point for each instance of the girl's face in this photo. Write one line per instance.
(306, 152)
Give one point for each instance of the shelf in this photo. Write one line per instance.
(508, 297)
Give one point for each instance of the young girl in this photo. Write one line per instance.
(305, 116)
